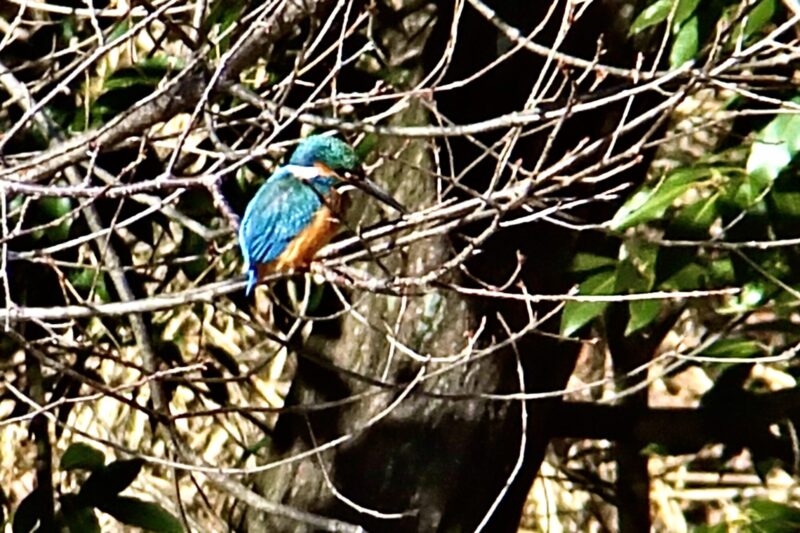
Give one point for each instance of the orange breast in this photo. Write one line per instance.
(302, 249)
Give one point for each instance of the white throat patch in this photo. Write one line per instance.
(304, 173)
(346, 187)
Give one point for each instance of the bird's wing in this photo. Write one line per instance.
(281, 209)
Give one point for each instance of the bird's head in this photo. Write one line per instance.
(325, 152)
(334, 158)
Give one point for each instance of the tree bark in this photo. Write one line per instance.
(436, 462)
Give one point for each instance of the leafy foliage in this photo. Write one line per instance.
(773, 517)
(692, 23)
(99, 491)
(725, 219)
(162, 138)
(138, 513)
(81, 456)
(709, 200)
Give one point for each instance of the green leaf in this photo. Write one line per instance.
(722, 271)
(127, 79)
(224, 13)
(753, 293)
(199, 204)
(636, 270)
(68, 28)
(787, 203)
(193, 244)
(759, 16)
(139, 513)
(78, 518)
(82, 520)
(578, 314)
(738, 348)
(315, 298)
(655, 449)
(653, 14)
(118, 30)
(686, 43)
(772, 516)
(636, 273)
(86, 279)
(651, 203)
(110, 480)
(584, 262)
(768, 509)
(54, 207)
(82, 456)
(697, 218)
(775, 146)
(148, 72)
(254, 448)
(26, 516)
(642, 313)
(751, 191)
(689, 277)
(366, 146)
(685, 9)
(629, 279)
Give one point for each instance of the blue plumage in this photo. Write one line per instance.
(329, 151)
(280, 210)
(294, 213)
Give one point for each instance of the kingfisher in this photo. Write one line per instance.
(297, 210)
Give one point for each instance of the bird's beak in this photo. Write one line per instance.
(371, 188)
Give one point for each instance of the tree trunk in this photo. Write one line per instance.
(434, 463)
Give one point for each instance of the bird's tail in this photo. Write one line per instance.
(252, 280)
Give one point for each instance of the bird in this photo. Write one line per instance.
(296, 211)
